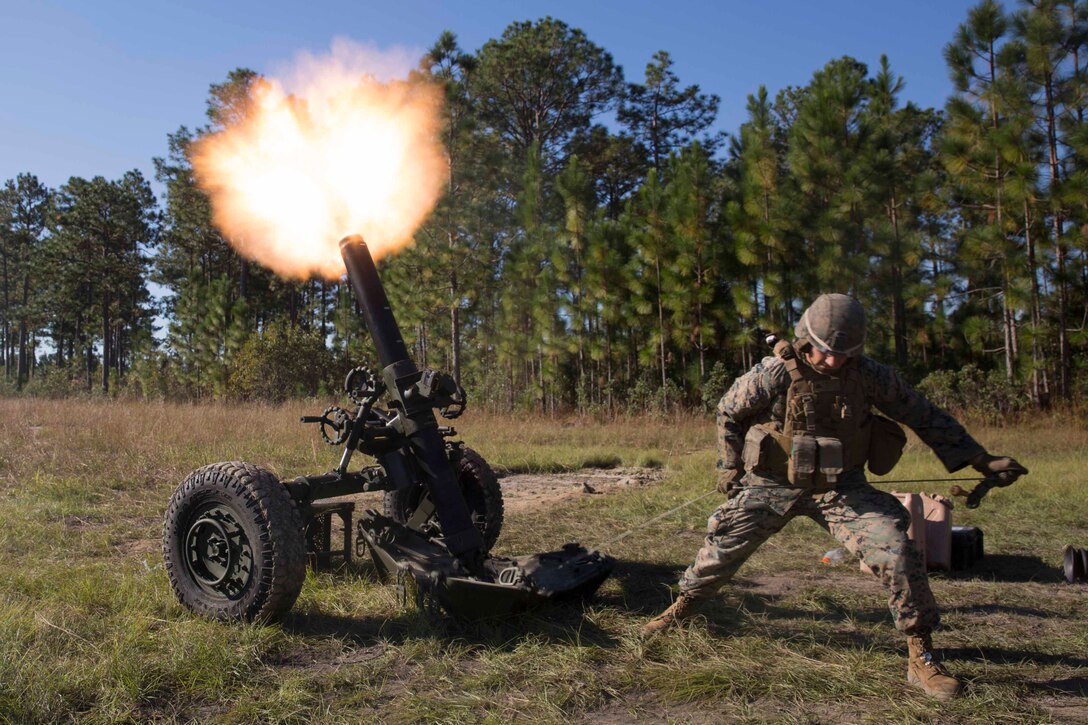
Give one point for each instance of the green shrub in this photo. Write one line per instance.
(283, 362)
(648, 397)
(50, 381)
(720, 378)
(154, 376)
(983, 395)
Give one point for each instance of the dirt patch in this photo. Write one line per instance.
(523, 492)
(83, 522)
(648, 708)
(534, 491)
(776, 586)
(325, 659)
(150, 550)
(1071, 709)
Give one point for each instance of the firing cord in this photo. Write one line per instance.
(929, 480)
(647, 522)
(697, 499)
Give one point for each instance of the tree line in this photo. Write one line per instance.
(579, 264)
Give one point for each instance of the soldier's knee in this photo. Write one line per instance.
(881, 562)
(899, 558)
(889, 530)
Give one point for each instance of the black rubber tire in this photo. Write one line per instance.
(480, 487)
(255, 528)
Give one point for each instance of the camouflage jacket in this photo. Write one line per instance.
(759, 396)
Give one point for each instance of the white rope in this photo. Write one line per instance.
(646, 523)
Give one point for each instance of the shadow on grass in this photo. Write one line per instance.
(644, 587)
(1073, 686)
(556, 622)
(1001, 656)
(561, 623)
(647, 589)
(999, 609)
(1011, 568)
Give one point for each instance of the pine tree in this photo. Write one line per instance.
(616, 163)
(664, 117)
(1046, 38)
(192, 247)
(608, 260)
(653, 256)
(826, 147)
(992, 153)
(899, 158)
(540, 83)
(764, 289)
(105, 231)
(695, 270)
(24, 206)
(455, 240)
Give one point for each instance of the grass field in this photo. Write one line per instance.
(90, 631)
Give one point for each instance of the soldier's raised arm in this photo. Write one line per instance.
(950, 441)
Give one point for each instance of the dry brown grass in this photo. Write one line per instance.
(89, 630)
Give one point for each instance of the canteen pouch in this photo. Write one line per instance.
(764, 451)
(830, 457)
(886, 443)
(802, 460)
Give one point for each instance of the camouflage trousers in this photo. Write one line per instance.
(868, 522)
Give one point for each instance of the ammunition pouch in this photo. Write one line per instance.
(815, 461)
(830, 457)
(806, 461)
(802, 464)
(886, 443)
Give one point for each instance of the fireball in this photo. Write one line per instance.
(342, 153)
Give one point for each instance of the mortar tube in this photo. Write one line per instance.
(419, 426)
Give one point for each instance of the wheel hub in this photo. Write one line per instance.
(217, 553)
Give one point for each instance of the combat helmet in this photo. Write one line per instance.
(833, 323)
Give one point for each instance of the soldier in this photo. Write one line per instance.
(794, 434)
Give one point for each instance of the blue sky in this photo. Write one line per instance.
(93, 87)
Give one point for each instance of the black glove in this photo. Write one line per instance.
(727, 481)
(1002, 469)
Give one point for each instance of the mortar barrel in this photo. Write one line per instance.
(419, 426)
(370, 293)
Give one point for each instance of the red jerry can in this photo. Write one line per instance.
(938, 514)
(930, 528)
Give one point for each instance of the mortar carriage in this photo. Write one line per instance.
(236, 539)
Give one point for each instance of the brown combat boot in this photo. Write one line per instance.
(682, 608)
(924, 670)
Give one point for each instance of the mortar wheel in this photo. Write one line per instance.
(480, 487)
(232, 543)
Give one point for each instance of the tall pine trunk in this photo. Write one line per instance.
(24, 364)
(1064, 366)
(1039, 393)
(455, 325)
(7, 324)
(1006, 316)
(106, 346)
(899, 308)
(661, 331)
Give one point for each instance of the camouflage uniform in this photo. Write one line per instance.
(866, 521)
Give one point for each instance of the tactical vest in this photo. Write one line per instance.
(828, 421)
(829, 429)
